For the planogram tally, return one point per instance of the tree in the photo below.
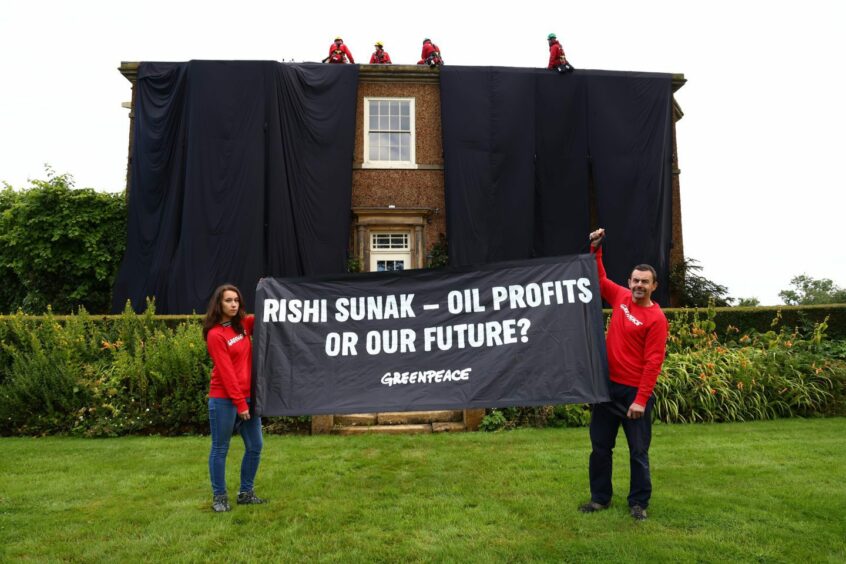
(59, 246)
(748, 302)
(693, 289)
(807, 291)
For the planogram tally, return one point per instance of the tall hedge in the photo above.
(760, 319)
(114, 375)
(59, 246)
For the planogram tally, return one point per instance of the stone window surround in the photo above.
(387, 219)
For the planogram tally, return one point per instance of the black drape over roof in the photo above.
(521, 147)
(240, 169)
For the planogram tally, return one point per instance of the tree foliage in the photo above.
(59, 246)
(693, 289)
(806, 290)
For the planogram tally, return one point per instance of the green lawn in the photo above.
(755, 492)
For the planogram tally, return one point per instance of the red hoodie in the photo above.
(637, 337)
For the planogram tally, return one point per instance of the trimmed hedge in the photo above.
(141, 373)
(745, 319)
(760, 319)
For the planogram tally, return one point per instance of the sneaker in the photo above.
(638, 513)
(593, 507)
(220, 503)
(249, 498)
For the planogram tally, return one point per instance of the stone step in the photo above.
(383, 429)
(356, 419)
(417, 417)
(448, 427)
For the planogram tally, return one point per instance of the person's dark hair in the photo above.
(214, 315)
(646, 268)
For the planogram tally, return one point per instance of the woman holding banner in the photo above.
(228, 331)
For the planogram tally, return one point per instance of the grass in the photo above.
(753, 492)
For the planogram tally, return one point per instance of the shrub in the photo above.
(59, 246)
(143, 373)
(785, 371)
(744, 376)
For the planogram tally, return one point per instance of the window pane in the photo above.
(389, 130)
(389, 265)
(383, 241)
(394, 140)
(373, 153)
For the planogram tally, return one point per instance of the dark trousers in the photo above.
(605, 422)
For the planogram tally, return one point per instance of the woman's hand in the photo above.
(245, 415)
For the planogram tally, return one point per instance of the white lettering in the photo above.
(425, 376)
(271, 308)
(500, 294)
(585, 295)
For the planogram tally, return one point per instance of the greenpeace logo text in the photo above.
(425, 377)
(235, 339)
(631, 317)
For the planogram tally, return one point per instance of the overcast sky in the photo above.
(761, 145)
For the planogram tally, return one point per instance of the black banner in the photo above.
(518, 333)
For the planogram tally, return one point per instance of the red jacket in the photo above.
(339, 55)
(380, 57)
(636, 340)
(556, 55)
(428, 49)
(232, 355)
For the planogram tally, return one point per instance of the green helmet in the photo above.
(551, 36)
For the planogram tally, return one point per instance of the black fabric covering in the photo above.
(239, 170)
(522, 146)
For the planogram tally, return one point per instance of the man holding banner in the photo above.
(636, 342)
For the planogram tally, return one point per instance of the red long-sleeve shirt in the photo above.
(380, 57)
(637, 337)
(428, 49)
(232, 354)
(340, 54)
(556, 55)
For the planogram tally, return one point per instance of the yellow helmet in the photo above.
(338, 38)
(379, 44)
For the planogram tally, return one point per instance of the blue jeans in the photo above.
(605, 422)
(222, 417)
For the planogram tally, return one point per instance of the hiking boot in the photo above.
(638, 513)
(593, 507)
(249, 498)
(220, 503)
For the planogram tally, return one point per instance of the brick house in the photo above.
(398, 198)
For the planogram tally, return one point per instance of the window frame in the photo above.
(409, 164)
